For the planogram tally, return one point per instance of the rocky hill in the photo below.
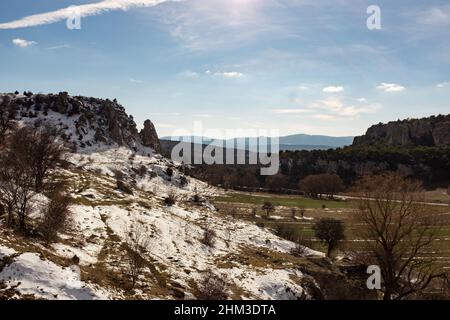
(84, 123)
(432, 131)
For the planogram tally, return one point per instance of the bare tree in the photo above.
(330, 231)
(277, 182)
(38, 149)
(294, 213)
(398, 233)
(7, 115)
(137, 244)
(268, 207)
(16, 183)
(315, 185)
(45, 152)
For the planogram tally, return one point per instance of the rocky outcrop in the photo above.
(432, 131)
(84, 121)
(149, 137)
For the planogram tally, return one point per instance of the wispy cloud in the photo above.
(391, 87)
(133, 80)
(230, 74)
(443, 85)
(23, 43)
(337, 107)
(291, 111)
(189, 74)
(435, 16)
(333, 89)
(58, 47)
(84, 10)
(323, 117)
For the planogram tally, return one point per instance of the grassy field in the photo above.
(281, 200)
(241, 206)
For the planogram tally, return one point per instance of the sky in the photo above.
(296, 66)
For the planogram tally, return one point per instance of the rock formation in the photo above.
(149, 137)
(86, 121)
(432, 131)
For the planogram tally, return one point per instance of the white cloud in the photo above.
(335, 106)
(443, 85)
(391, 87)
(361, 100)
(290, 111)
(135, 80)
(23, 43)
(436, 16)
(84, 10)
(323, 117)
(230, 75)
(333, 89)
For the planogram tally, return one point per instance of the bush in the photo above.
(196, 198)
(212, 287)
(122, 186)
(137, 244)
(301, 246)
(142, 171)
(171, 199)
(268, 207)
(183, 181)
(286, 231)
(209, 237)
(55, 216)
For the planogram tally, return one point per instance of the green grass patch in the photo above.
(287, 201)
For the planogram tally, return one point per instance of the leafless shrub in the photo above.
(142, 171)
(122, 186)
(212, 286)
(169, 172)
(137, 244)
(171, 199)
(302, 245)
(55, 216)
(119, 175)
(209, 236)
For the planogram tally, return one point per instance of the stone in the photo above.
(149, 137)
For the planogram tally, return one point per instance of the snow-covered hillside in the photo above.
(88, 260)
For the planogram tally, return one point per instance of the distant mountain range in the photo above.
(291, 142)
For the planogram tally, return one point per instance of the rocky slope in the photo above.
(88, 260)
(432, 131)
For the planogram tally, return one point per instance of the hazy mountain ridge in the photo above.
(291, 142)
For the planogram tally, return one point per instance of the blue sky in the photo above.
(299, 66)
